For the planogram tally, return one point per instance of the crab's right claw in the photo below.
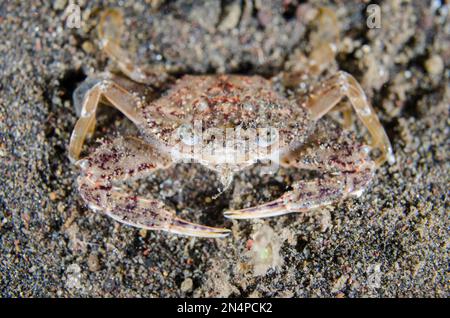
(152, 214)
(270, 209)
(182, 227)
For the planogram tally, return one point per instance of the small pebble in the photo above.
(53, 196)
(186, 285)
(143, 233)
(434, 65)
(61, 207)
(88, 47)
(93, 262)
(59, 4)
(231, 19)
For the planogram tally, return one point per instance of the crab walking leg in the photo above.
(325, 40)
(341, 85)
(347, 169)
(124, 159)
(114, 94)
(110, 30)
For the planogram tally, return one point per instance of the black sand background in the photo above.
(392, 241)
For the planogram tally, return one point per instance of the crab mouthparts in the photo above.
(225, 174)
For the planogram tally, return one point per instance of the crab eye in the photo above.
(187, 135)
(267, 136)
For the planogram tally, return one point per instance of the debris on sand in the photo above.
(264, 252)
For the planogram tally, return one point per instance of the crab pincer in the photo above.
(118, 161)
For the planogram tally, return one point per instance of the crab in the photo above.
(289, 132)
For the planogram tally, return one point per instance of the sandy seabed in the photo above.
(392, 241)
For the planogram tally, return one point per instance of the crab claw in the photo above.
(273, 208)
(310, 194)
(180, 226)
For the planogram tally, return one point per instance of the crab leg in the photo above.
(124, 159)
(326, 38)
(113, 93)
(325, 41)
(347, 166)
(341, 85)
(110, 30)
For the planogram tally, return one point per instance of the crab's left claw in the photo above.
(148, 214)
(126, 158)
